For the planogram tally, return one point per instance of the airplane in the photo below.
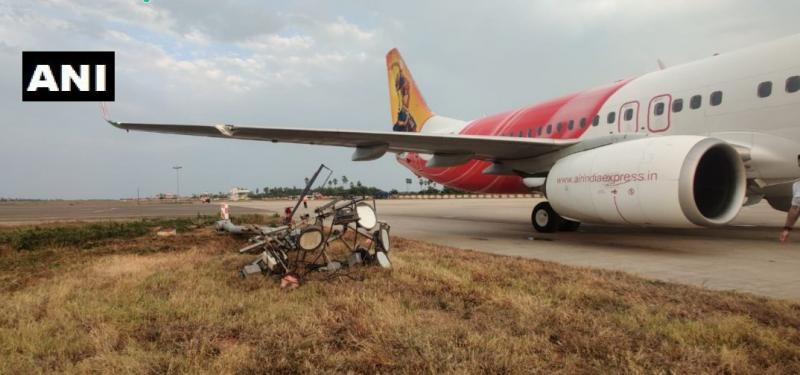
(684, 146)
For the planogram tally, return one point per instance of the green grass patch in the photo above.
(257, 219)
(89, 235)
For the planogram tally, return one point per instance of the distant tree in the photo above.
(344, 180)
(447, 190)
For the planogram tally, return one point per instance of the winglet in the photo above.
(104, 112)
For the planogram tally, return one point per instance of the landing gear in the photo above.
(569, 225)
(546, 220)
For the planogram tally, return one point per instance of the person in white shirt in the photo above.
(794, 212)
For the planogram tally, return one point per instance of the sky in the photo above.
(318, 64)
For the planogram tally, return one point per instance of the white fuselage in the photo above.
(768, 127)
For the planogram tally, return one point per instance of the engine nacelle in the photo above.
(671, 181)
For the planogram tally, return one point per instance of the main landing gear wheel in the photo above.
(569, 225)
(545, 219)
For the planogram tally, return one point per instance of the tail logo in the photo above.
(409, 110)
(402, 90)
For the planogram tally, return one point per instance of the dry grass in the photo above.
(176, 304)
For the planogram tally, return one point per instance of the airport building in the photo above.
(238, 193)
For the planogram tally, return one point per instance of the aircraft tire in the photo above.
(545, 219)
(569, 225)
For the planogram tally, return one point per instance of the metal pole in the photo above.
(177, 169)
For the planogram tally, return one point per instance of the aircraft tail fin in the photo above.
(409, 110)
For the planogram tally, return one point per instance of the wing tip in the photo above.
(106, 118)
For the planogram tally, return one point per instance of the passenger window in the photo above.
(677, 105)
(596, 120)
(530, 133)
(612, 116)
(793, 84)
(571, 124)
(520, 133)
(539, 131)
(628, 114)
(583, 122)
(549, 128)
(558, 127)
(696, 102)
(764, 89)
(716, 98)
(658, 110)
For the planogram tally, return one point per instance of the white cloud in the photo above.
(278, 43)
(343, 29)
(197, 37)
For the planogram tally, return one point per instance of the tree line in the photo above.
(343, 186)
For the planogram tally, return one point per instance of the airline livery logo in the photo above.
(409, 111)
(67, 76)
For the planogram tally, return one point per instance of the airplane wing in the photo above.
(451, 148)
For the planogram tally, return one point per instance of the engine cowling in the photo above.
(671, 181)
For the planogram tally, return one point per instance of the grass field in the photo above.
(119, 299)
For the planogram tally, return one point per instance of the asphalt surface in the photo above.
(745, 256)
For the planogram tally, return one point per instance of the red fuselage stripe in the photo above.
(555, 114)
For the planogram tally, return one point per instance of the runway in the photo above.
(744, 257)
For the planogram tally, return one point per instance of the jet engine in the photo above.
(670, 181)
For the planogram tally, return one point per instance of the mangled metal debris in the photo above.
(292, 251)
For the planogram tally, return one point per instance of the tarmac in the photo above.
(745, 256)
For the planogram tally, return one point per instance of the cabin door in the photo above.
(658, 114)
(628, 121)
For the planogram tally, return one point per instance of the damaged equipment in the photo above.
(292, 251)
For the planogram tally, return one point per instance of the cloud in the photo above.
(348, 31)
(278, 43)
(221, 20)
